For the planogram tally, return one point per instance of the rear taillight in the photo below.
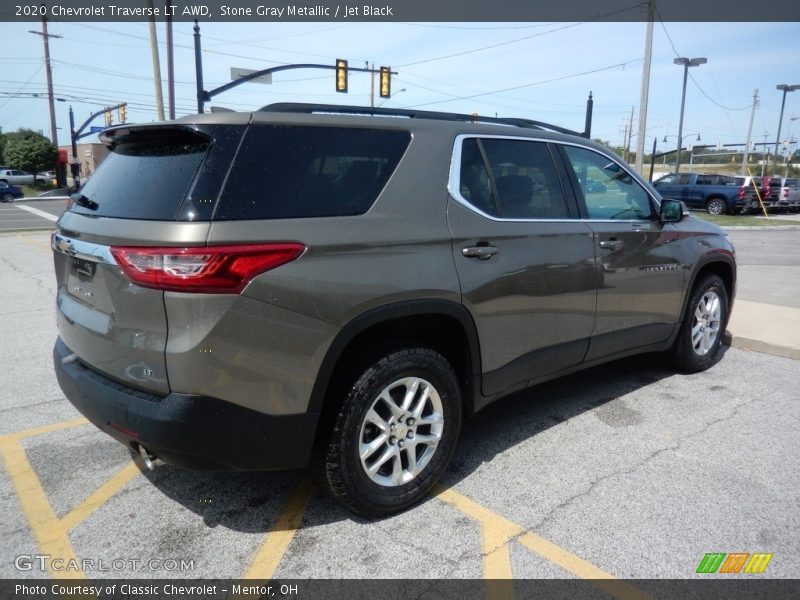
(207, 269)
(785, 193)
(742, 192)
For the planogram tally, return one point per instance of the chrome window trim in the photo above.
(83, 249)
(454, 187)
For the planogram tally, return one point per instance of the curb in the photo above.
(764, 228)
(763, 347)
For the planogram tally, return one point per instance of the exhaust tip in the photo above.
(148, 458)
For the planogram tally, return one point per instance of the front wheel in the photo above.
(717, 206)
(7, 197)
(395, 433)
(703, 325)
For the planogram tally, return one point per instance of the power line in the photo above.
(694, 81)
(24, 85)
(525, 85)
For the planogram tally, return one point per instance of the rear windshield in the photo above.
(146, 175)
(297, 171)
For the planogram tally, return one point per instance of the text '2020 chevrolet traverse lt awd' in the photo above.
(310, 284)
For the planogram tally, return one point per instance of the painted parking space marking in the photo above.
(277, 540)
(38, 213)
(499, 531)
(50, 534)
(99, 497)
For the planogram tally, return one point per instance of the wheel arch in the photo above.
(443, 325)
(721, 264)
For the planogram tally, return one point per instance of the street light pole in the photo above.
(686, 62)
(785, 88)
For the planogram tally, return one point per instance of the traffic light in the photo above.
(123, 113)
(341, 75)
(109, 117)
(386, 82)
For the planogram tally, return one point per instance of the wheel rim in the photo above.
(715, 207)
(401, 431)
(706, 323)
(7, 198)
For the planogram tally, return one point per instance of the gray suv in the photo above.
(342, 285)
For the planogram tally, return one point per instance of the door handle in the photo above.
(480, 252)
(612, 244)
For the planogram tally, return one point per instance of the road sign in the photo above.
(237, 73)
(97, 129)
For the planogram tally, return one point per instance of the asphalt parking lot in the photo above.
(26, 215)
(626, 471)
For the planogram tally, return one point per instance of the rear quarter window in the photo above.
(285, 172)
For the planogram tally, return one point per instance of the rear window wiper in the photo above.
(84, 201)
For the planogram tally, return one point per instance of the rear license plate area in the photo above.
(83, 269)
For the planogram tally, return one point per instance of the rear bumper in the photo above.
(195, 432)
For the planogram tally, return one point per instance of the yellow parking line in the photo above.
(99, 497)
(26, 433)
(504, 529)
(277, 540)
(48, 531)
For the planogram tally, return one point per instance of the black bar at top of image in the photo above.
(709, 588)
(403, 10)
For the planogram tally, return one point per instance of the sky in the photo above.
(541, 71)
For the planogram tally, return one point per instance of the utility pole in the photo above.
(765, 160)
(170, 63)
(749, 134)
(630, 135)
(198, 69)
(625, 142)
(371, 84)
(643, 99)
(151, 21)
(50, 99)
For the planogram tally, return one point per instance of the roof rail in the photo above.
(308, 108)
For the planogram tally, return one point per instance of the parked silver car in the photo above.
(17, 177)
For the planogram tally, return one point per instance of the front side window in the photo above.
(608, 190)
(511, 179)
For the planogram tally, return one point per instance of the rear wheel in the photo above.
(717, 206)
(703, 325)
(7, 197)
(394, 434)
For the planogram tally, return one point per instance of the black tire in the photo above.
(716, 206)
(685, 354)
(339, 464)
(7, 197)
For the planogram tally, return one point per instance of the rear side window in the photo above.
(294, 171)
(146, 175)
(511, 179)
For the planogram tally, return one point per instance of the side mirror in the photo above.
(672, 211)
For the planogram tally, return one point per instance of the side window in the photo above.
(284, 172)
(683, 179)
(667, 179)
(517, 179)
(474, 183)
(705, 180)
(608, 190)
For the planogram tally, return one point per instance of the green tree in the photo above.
(3, 139)
(29, 151)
